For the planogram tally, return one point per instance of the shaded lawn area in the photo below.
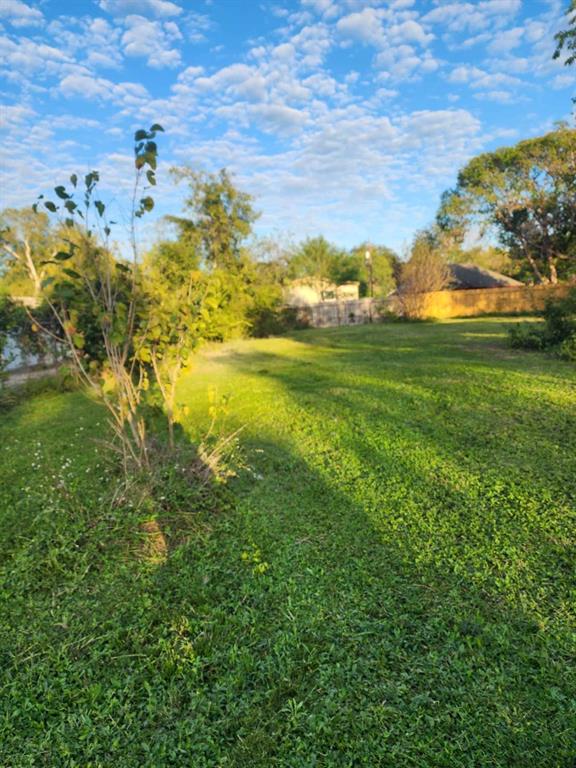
(411, 492)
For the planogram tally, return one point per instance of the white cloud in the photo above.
(27, 57)
(478, 78)
(395, 37)
(14, 114)
(162, 9)
(403, 63)
(94, 38)
(86, 86)
(501, 97)
(326, 8)
(152, 40)
(462, 16)
(506, 40)
(278, 117)
(20, 14)
(408, 32)
(365, 26)
(567, 80)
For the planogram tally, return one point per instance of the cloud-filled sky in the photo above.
(342, 117)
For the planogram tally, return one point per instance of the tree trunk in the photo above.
(552, 270)
(32, 270)
(539, 276)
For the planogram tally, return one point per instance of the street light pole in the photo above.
(368, 262)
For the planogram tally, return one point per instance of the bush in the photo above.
(567, 350)
(274, 321)
(526, 336)
(557, 334)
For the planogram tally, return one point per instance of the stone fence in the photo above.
(332, 313)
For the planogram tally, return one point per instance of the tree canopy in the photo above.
(526, 195)
(221, 217)
(321, 260)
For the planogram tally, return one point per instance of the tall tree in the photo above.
(318, 259)
(220, 220)
(525, 194)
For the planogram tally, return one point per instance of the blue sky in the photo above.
(342, 117)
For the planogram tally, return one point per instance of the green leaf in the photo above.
(157, 127)
(150, 158)
(35, 207)
(151, 147)
(140, 162)
(69, 222)
(107, 231)
(71, 273)
(74, 179)
(61, 192)
(91, 178)
(62, 256)
(66, 290)
(151, 177)
(70, 206)
(140, 135)
(50, 206)
(78, 340)
(147, 203)
(122, 267)
(47, 281)
(145, 355)
(100, 207)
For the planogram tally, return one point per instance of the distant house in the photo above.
(469, 276)
(306, 292)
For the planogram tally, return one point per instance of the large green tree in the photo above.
(380, 271)
(318, 259)
(526, 195)
(219, 220)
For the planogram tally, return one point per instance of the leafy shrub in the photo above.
(526, 336)
(560, 317)
(558, 332)
(273, 321)
(567, 350)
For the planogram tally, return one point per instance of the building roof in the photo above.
(471, 276)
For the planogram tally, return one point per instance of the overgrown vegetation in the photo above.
(394, 587)
(557, 334)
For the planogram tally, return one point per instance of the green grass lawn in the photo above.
(393, 583)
